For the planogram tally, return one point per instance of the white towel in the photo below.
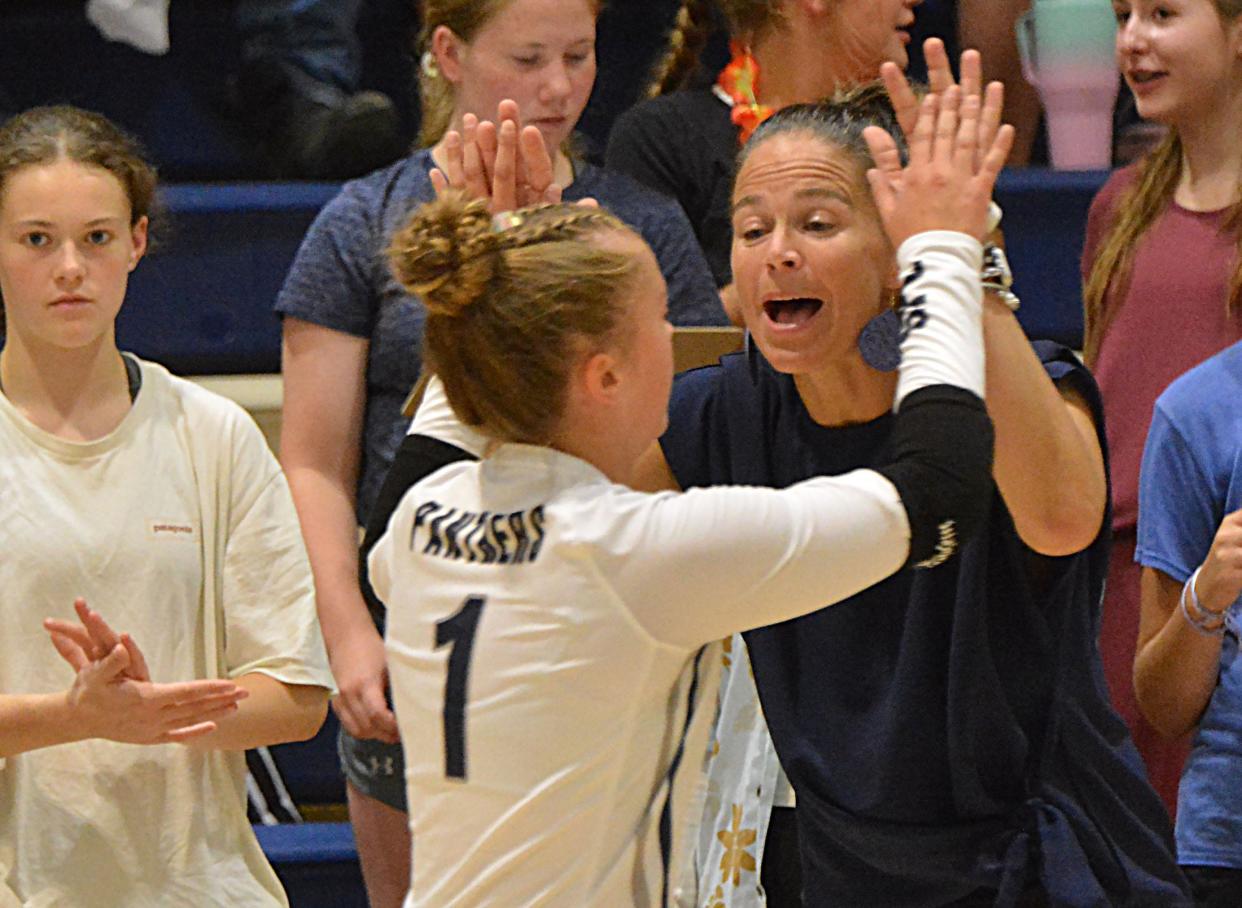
(140, 23)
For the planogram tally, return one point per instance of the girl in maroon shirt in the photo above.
(1163, 280)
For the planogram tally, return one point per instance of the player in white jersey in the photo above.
(545, 621)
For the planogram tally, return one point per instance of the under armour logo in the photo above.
(382, 766)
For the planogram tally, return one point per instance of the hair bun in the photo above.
(443, 255)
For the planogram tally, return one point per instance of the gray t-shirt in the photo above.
(340, 280)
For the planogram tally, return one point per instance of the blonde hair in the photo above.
(464, 18)
(509, 310)
(685, 42)
(749, 20)
(1138, 208)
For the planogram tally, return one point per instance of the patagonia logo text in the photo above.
(172, 529)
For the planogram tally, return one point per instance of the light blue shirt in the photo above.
(1191, 479)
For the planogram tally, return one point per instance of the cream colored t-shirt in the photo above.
(210, 582)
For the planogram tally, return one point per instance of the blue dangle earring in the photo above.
(879, 342)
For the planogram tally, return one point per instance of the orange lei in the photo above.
(740, 82)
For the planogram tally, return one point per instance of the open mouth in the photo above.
(1145, 78)
(792, 313)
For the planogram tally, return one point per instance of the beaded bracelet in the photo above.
(1213, 626)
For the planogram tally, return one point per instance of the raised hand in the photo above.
(940, 80)
(941, 188)
(507, 165)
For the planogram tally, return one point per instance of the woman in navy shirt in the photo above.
(947, 733)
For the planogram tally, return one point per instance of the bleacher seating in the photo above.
(179, 104)
(316, 862)
(202, 302)
(1045, 223)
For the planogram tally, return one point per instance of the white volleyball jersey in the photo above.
(542, 623)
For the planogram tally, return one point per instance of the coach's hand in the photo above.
(940, 188)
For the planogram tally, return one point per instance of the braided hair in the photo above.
(510, 303)
(685, 43)
(748, 20)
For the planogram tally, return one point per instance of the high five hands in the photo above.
(940, 80)
(508, 165)
(957, 148)
(114, 697)
(511, 166)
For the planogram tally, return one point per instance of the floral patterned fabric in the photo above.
(743, 775)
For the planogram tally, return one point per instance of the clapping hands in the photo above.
(113, 694)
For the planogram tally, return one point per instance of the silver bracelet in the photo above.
(994, 216)
(997, 277)
(1198, 620)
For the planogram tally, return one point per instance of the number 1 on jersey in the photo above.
(457, 633)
